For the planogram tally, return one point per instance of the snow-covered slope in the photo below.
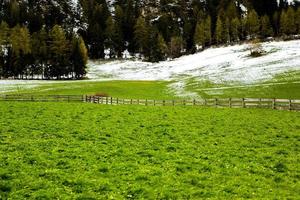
(225, 64)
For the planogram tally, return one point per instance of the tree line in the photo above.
(157, 30)
(153, 30)
(43, 54)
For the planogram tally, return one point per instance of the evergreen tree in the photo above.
(202, 35)
(119, 36)
(219, 31)
(287, 22)
(157, 46)
(266, 27)
(188, 35)
(13, 13)
(253, 24)
(21, 48)
(39, 52)
(207, 29)
(79, 57)
(162, 47)
(4, 40)
(110, 41)
(141, 34)
(176, 46)
(222, 30)
(199, 37)
(276, 23)
(297, 20)
(59, 54)
(234, 29)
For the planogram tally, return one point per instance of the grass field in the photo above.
(87, 151)
(285, 86)
(121, 89)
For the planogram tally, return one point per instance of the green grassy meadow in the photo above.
(88, 151)
(122, 89)
(284, 86)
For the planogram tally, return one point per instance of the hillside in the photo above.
(215, 72)
(225, 66)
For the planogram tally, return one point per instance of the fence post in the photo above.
(205, 103)
(117, 101)
(111, 100)
(164, 102)
(154, 102)
(216, 103)
(31, 98)
(194, 102)
(68, 98)
(260, 103)
(230, 104)
(184, 103)
(173, 102)
(243, 103)
(273, 104)
(146, 102)
(290, 104)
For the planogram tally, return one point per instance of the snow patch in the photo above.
(219, 65)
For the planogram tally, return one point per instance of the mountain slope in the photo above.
(225, 64)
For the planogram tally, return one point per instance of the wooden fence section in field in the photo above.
(43, 98)
(276, 104)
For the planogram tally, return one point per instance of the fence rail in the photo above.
(43, 98)
(276, 104)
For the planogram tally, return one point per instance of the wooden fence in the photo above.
(43, 98)
(277, 104)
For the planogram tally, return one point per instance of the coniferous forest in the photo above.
(53, 39)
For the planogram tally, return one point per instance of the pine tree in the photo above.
(4, 40)
(226, 29)
(287, 22)
(119, 36)
(157, 48)
(202, 35)
(276, 23)
(162, 47)
(141, 34)
(253, 24)
(39, 52)
(199, 37)
(79, 57)
(297, 20)
(188, 34)
(266, 27)
(219, 31)
(59, 54)
(176, 46)
(222, 30)
(21, 48)
(109, 36)
(14, 13)
(234, 29)
(207, 30)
